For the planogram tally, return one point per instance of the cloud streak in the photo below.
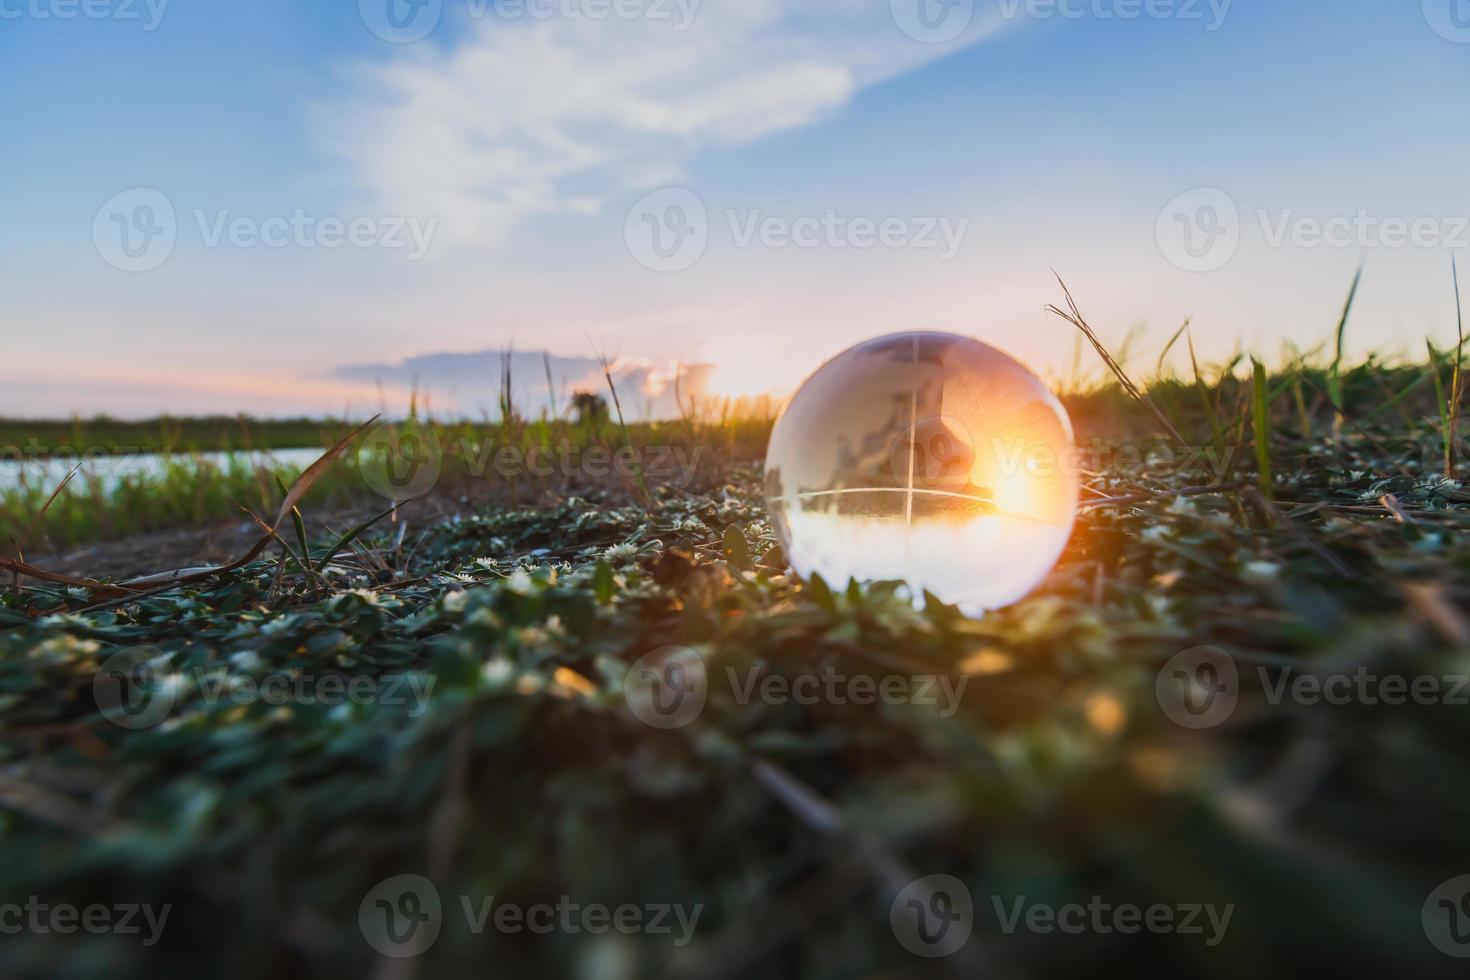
(542, 116)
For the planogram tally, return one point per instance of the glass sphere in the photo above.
(928, 458)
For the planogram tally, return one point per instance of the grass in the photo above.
(1299, 519)
(185, 491)
(190, 490)
(35, 438)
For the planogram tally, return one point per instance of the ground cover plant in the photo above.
(1305, 522)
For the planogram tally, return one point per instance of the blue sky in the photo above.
(527, 152)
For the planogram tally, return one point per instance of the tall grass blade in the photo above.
(1457, 380)
(1261, 416)
(1442, 405)
(187, 576)
(1304, 417)
(622, 423)
(1207, 404)
(1074, 316)
(351, 536)
(550, 383)
(1334, 376)
(1159, 367)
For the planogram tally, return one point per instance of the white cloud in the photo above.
(468, 384)
(531, 116)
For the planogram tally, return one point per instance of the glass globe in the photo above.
(929, 458)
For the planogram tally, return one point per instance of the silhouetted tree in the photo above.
(591, 409)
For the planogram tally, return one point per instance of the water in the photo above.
(111, 470)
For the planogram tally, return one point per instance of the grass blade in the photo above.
(1442, 405)
(1457, 379)
(351, 536)
(1334, 377)
(1074, 316)
(1159, 367)
(622, 424)
(1260, 413)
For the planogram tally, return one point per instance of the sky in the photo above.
(259, 207)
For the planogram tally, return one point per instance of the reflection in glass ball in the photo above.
(925, 457)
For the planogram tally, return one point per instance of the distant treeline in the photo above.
(31, 438)
(1367, 392)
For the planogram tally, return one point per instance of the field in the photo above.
(213, 470)
(1306, 523)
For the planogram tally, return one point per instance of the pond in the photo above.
(110, 470)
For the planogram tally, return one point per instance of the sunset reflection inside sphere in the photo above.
(925, 457)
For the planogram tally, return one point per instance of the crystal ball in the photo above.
(928, 458)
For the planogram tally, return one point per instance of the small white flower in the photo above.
(485, 617)
(276, 627)
(63, 649)
(1157, 532)
(621, 552)
(172, 685)
(62, 621)
(247, 661)
(498, 672)
(520, 582)
(1260, 572)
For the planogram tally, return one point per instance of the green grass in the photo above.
(101, 435)
(187, 492)
(191, 491)
(1305, 527)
